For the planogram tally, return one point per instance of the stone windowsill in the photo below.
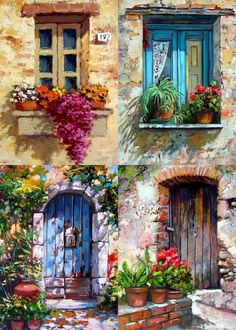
(37, 123)
(182, 126)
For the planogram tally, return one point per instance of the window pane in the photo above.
(70, 63)
(45, 63)
(69, 38)
(46, 82)
(70, 83)
(45, 38)
(161, 59)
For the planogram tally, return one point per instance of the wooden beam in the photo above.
(139, 10)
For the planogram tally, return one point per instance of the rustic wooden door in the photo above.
(67, 236)
(194, 231)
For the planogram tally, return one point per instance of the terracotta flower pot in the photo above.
(17, 324)
(27, 106)
(137, 297)
(27, 288)
(174, 294)
(159, 296)
(97, 104)
(204, 117)
(34, 324)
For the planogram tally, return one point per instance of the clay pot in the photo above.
(204, 117)
(159, 296)
(174, 294)
(27, 288)
(97, 104)
(34, 324)
(27, 106)
(17, 324)
(137, 297)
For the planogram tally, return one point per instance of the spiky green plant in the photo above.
(133, 278)
(161, 96)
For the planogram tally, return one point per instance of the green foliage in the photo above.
(19, 195)
(128, 175)
(183, 115)
(157, 280)
(15, 307)
(109, 300)
(180, 278)
(16, 261)
(159, 97)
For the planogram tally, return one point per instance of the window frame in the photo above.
(57, 51)
(179, 34)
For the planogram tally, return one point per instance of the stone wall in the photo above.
(179, 146)
(17, 65)
(156, 316)
(144, 214)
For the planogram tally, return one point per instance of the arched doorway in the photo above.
(67, 246)
(193, 230)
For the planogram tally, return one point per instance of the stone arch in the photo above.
(100, 230)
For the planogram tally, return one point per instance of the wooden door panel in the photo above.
(193, 214)
(67, 263)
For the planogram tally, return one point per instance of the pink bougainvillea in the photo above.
(72, 116)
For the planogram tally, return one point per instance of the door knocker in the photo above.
(71, 234)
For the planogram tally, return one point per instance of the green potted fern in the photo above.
(134, 280)
(159, 100)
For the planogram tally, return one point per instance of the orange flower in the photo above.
(43, 89)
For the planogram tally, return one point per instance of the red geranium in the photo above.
(200, 89)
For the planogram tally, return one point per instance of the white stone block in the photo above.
(38, 222)
(100, 259)
(100, 227)
(98, 285)
(38, 252)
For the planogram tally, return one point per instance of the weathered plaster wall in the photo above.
(17, 65)
(143, 214)
(174, 146)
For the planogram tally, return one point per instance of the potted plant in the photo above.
(158, 283)
(36, 312)
(204, 102)
(159, 100)
(12, 309)
(96, 94)
(24, 97)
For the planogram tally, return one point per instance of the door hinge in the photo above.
(169, 229)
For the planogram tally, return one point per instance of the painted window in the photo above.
(183, 52)
(58, 55)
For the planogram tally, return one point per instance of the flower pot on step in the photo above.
(27, 106)
(27, 289)
(42, 104)
(34, 324)
(204, 117)
(97, 104)
(17, 324)
(159, 296)
(137, 297)
(174, 294)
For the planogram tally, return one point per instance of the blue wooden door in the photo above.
(67, 267)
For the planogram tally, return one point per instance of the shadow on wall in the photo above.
(41, 148)
(172, 146)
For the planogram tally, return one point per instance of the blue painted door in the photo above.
(66, 267)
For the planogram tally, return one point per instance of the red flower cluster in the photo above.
(168, 258)
(46, 94)
(145, 37)
(209, 91)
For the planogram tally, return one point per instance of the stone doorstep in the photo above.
(125, 309)
(37, 123)
(71, 304)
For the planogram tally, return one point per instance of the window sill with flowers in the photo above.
(161, 109)
(70, 116)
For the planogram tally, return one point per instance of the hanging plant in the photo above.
(145, 37)
(72, 117)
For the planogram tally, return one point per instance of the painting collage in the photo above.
(117, 164)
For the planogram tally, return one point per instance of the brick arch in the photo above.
(175, 175)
